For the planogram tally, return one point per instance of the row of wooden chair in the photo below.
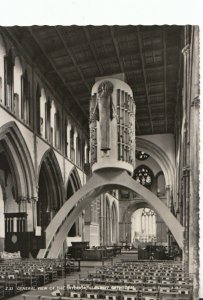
(129, 281)
(16, 275)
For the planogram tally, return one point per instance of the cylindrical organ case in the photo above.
(112, 125)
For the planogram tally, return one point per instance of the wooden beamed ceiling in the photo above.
(70, 57)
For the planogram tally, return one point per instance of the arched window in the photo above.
(8, 79)
(17, 87)
(42, 113)
(2, 56)
(161, 184)
(66, 136)
(47, 119)
(72, 146)
(143, 226)
(25, 104)
(148, 225)
(143, 175)
(52, 124)
(38, 95)
(141, 155)
(58, 130)
(78, 151)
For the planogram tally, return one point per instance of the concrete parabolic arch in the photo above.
(100, 182)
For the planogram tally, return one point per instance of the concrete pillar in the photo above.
(106, 180)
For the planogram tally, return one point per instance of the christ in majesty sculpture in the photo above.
(103, 112)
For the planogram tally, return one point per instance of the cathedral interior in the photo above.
(99, 160)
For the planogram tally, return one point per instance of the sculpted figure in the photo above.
(102, 111)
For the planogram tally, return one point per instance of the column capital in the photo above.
(186, 170)
(33, 199)
(22, 199)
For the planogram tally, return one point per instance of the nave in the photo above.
(99, 144)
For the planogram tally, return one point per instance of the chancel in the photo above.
(99, 162)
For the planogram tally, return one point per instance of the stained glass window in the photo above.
(143, 175)
(141, 155)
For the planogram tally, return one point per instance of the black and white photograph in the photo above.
(99, 162)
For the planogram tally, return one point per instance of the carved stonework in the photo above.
(105, 89)
(93, 144)
(132, 135)
(93, 109)
(93, 131)
(105, 107)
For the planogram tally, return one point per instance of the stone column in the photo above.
(142, 223)
(194, 163)
(168, 196)
(122, 231)
(147, 225)
(75, 145)
(186, 70)
(101, 225)
(104, 222)
(169, 204)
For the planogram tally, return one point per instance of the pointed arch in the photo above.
(160, 184)
(160, 157)
(73, 183)
(51, 165)
(132, 207)
(20, 161)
